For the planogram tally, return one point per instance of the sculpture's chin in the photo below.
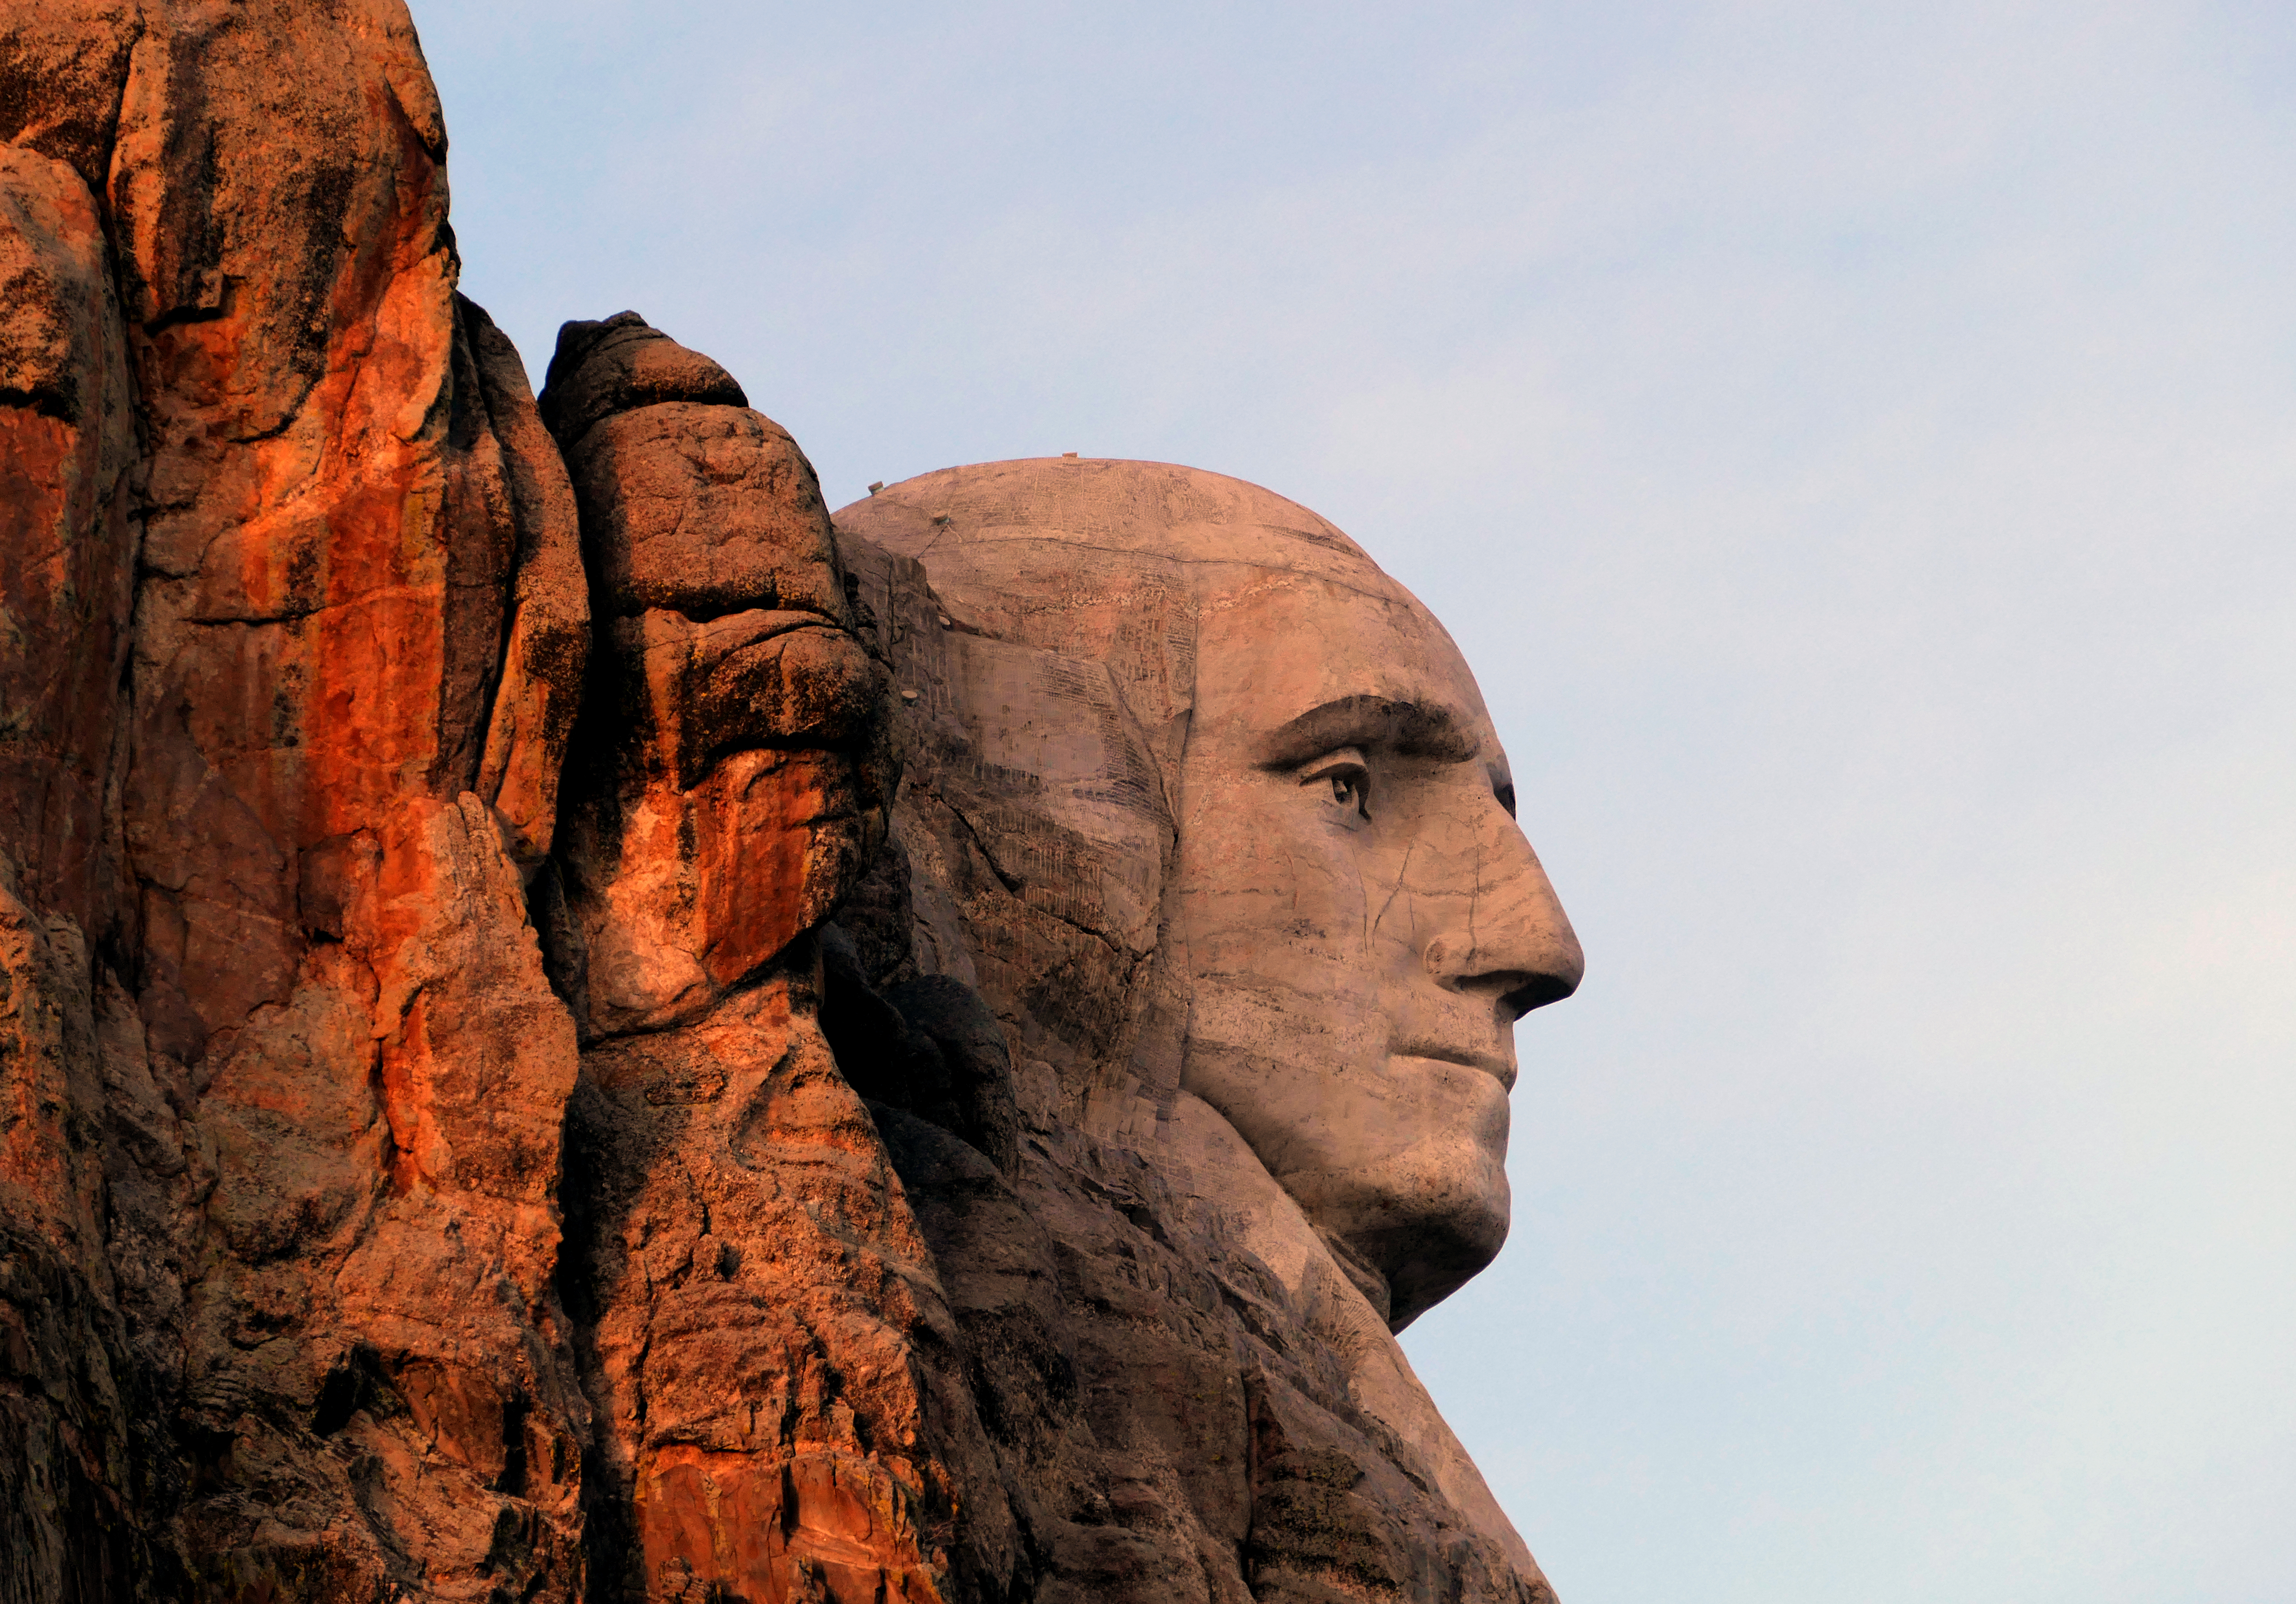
(1428, 1221)
(1429, 1253)
(1409, 1177)
(1443, 1257)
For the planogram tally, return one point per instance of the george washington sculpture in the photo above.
(573, 1028)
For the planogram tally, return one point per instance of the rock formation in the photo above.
(296, 637)
(571, 1029)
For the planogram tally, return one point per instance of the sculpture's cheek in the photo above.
(1288, 1076)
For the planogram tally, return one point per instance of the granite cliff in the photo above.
(559, 1037)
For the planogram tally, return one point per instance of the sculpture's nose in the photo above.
(1509, 938)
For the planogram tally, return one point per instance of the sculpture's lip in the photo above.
(1498, 1066)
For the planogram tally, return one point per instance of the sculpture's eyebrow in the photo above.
(1414, 729)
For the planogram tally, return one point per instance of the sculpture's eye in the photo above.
(1344, 781)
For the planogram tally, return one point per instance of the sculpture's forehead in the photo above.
(1285, 611)
(1277, 645)
(1156, 513)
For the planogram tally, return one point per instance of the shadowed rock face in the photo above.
(570, 1031)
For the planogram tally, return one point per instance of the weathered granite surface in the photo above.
(1209, 811)
(570, 1029)
(296, 635)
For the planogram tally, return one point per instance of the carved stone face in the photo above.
(1362, 921)
(1365, 921)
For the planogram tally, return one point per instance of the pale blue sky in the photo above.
(1856, 450)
